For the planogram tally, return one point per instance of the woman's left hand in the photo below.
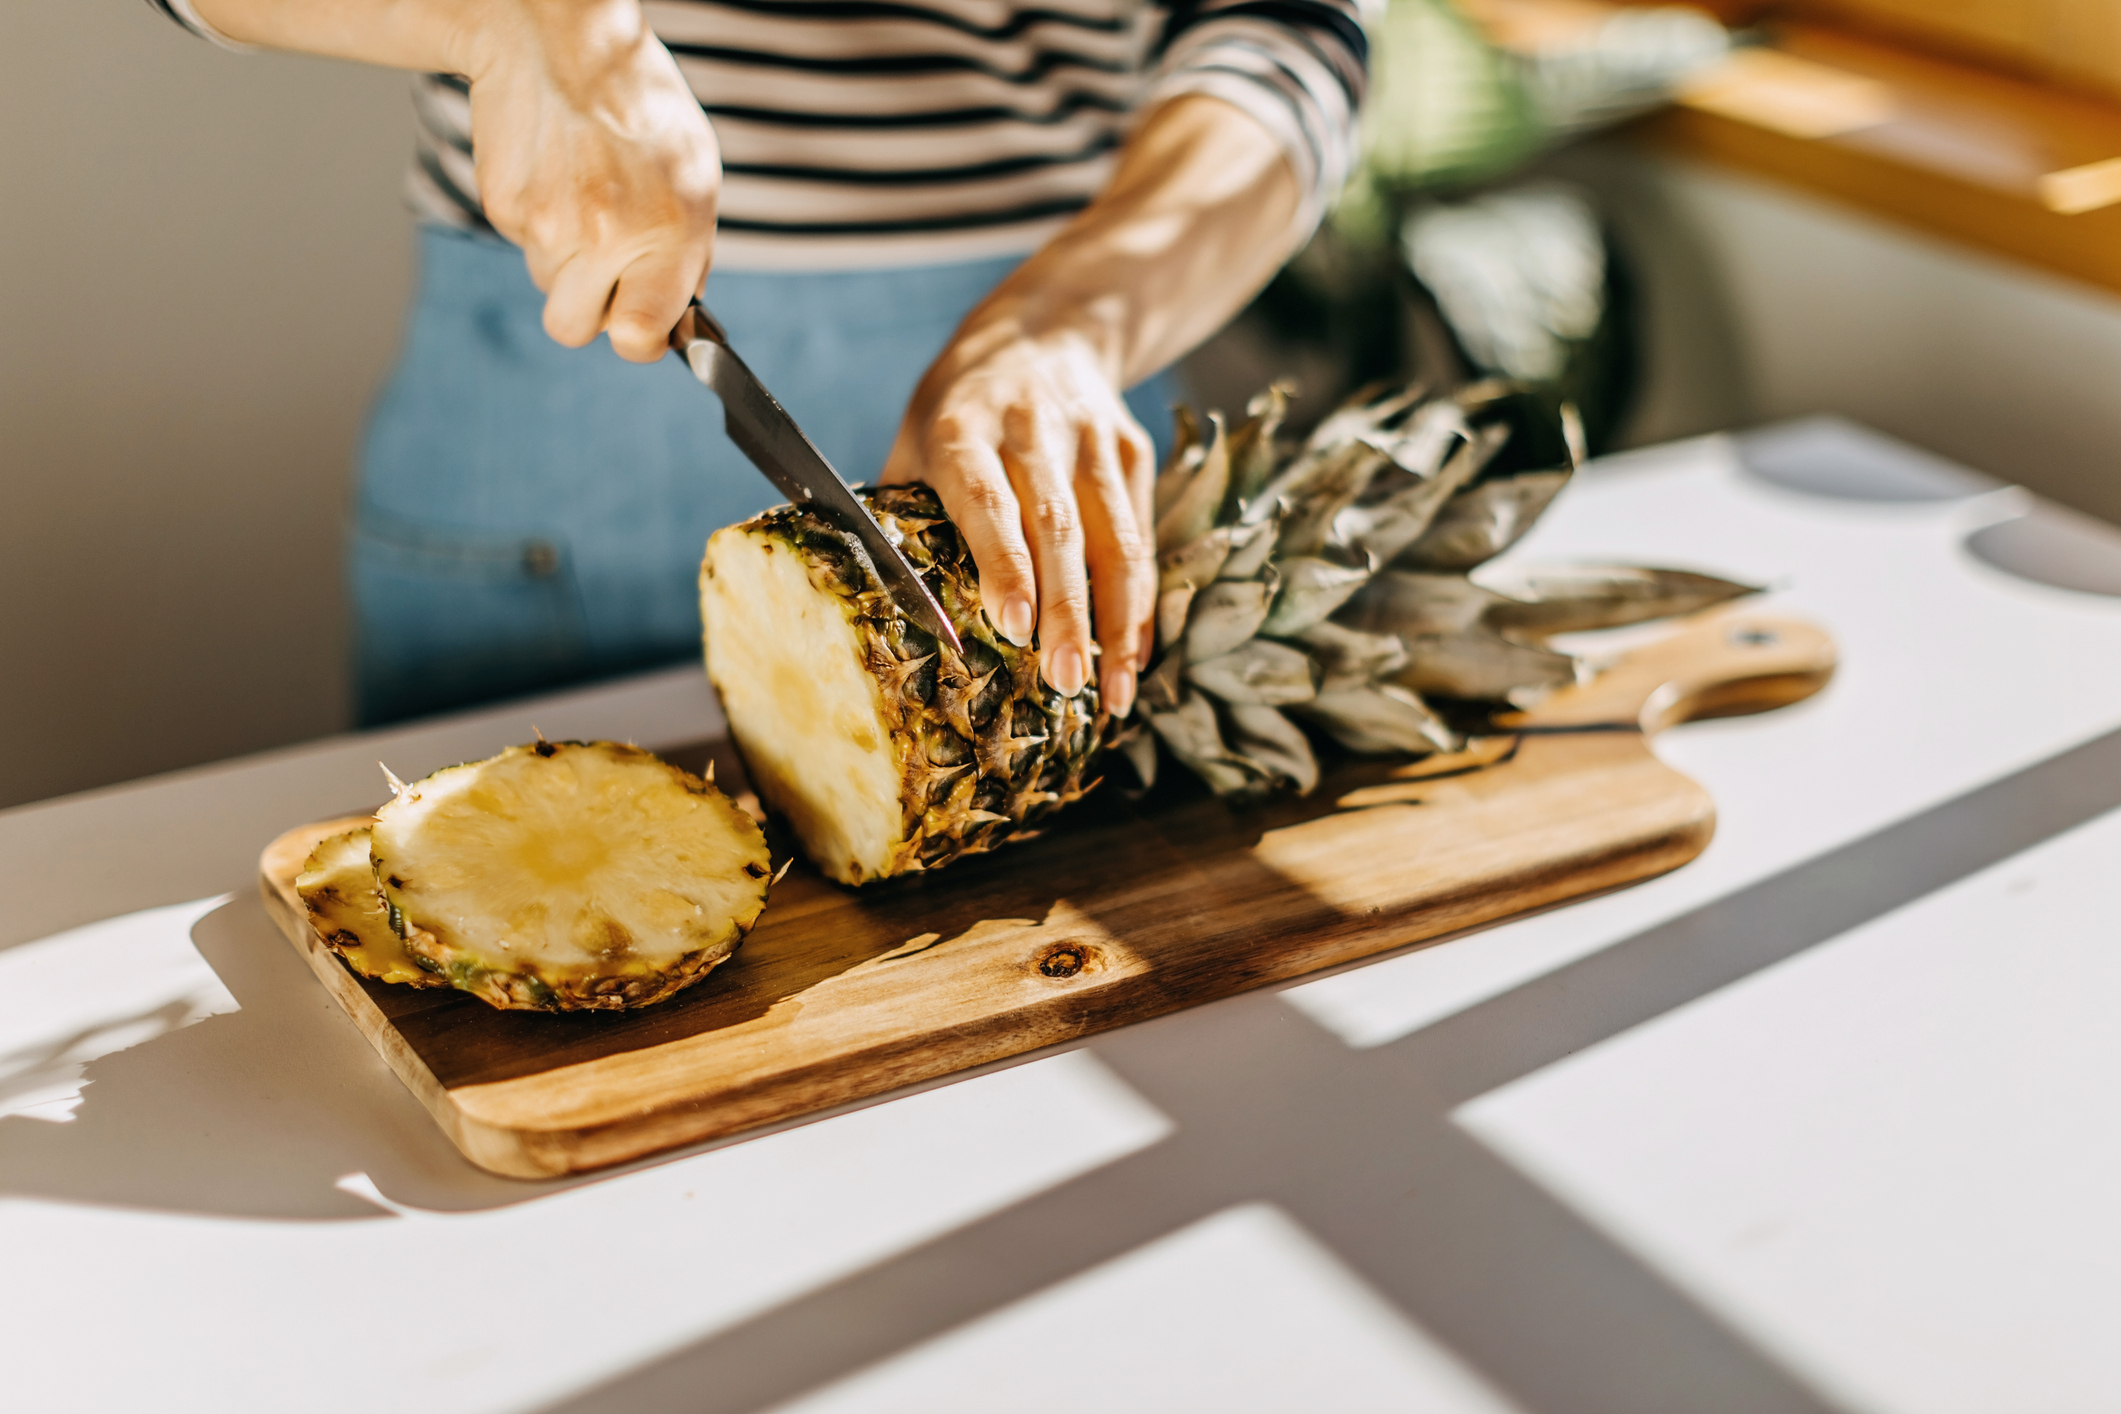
(1048, 477)
(1019, 425)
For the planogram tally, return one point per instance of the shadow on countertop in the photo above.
(282, 1110)
(257, 1113)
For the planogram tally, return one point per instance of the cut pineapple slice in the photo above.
(885, 752)
(792, 664)
(568, 876)
(338, 885)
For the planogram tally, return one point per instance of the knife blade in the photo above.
(764, 432)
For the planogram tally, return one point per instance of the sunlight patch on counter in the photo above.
(80, 995)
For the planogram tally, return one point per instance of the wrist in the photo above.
(1031, 308)
(577, 42)
(1198, 217)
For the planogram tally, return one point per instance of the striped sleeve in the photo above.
(1298, 66)
(186, 13)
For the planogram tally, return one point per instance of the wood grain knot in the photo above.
(1064, 960)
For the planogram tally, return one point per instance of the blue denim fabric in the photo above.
(531, 516)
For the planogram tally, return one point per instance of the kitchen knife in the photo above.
(764, 432)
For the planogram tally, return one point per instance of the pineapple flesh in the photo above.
(338, 886)
(569, 876)
(886, 752)
(1324, 588)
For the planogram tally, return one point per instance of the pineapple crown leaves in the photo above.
(1331, 580)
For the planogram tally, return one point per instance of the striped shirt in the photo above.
(864, 133)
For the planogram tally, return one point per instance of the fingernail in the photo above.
(1066, 671)
(1119, 693)
(1018, 619)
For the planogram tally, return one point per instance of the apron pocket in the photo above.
(444, 619)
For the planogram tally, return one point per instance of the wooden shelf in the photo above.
(2001, 163)
(2075, 41)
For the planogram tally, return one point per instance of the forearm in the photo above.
(439, 36)
(1202, 211)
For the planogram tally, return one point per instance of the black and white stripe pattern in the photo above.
(876, 132)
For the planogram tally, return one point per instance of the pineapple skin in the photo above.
(1320, 586)
(338, 886)
(981, 749)
(517, 983)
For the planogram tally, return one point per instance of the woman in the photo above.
(867, 178)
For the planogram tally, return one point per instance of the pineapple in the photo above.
(1331, 586)
(1324, 586)
(338, 885)
(568, 876)
(886, 752)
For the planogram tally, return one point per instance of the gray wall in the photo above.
(203, 262)
(206, 264)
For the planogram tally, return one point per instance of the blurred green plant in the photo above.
(1439, 262)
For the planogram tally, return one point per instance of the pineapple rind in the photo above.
(569, 876)
(979, 748)
(338, 886)
(1324, 583)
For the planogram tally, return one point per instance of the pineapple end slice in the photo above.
(789, 662)
(570, 876)
(338, 886)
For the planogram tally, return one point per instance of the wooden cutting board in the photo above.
(1122, 912)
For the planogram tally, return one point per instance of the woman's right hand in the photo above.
(594, 156)
(591, 152)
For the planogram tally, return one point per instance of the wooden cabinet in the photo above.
(1992, 122)
(2074, 40)
(2077, 42)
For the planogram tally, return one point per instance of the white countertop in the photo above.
(1825, 1120)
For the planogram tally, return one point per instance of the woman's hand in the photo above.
(591, 152)
(595, 158)
(1048, 476)
(1019, 425)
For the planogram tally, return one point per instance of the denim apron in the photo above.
(530, 516)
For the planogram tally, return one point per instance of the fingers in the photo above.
(576, 299)
(1137, 457)
(1041, 457)
(968, 474)
(651, 294)
(904, 462)
(1050, 481)
(637, 303)
(1137, 462)
(1122, 567)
